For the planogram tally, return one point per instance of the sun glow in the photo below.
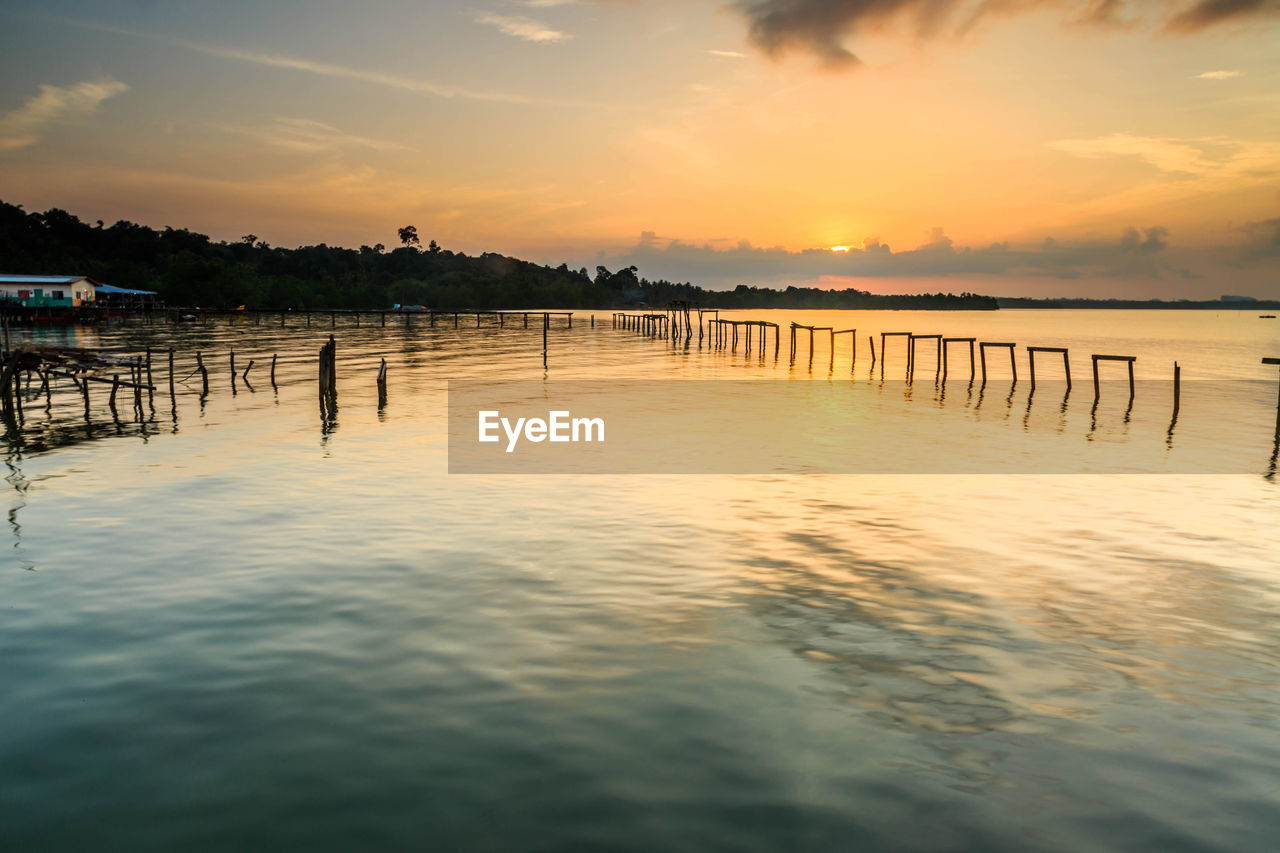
(841, 248)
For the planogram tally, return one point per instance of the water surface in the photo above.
(235, 625)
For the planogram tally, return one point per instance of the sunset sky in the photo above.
(1118, 147)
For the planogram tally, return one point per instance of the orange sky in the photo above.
(563, 131)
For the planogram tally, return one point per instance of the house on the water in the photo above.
(110, 296)
(48, 291)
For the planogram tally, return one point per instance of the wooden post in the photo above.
(115, 385)
(137, 384)
(245, 375)
(1125, 358)
(273, 370)
(1177, 388)
(1275, 361)
(171, 389)
(149, 381)
(382, 384)
(204, 374)
(333, 365)
(546, 321)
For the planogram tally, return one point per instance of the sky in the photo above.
(1012, 147)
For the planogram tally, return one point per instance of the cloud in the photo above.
(1219, 75)
(727, 54)
(821, 27)
(326, 69)
(1208, 162)
(1206, 13)
(1167, 155)
(308, 136)
(522, 28)
(25, 125)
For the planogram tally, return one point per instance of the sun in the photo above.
(841, 248)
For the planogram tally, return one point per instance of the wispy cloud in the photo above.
(1167, 155)
(727, 54)
(1219, 75)
(309, 136)
(1208, 160)
(522, 28)
(324, 69)
(25, 125)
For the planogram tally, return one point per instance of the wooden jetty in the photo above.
(1066, 362)
(1127, 359)
(982, 355)
(884, 340)
(946, 342)
(911, 354)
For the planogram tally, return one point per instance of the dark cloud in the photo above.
(1137, 253)
(1207, 13)
(823, 27)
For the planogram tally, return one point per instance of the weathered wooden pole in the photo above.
(115, 385)
(204, 374)
(333, 365)
(546, 321)
(382, 384)
(149, 381)
(245, 375)
(137, 384)
(273, 370)
(1177, 388)
(1275, 361)
(1128, 359)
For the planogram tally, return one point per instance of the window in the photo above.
(56, 294)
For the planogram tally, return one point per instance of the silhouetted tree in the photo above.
(409, 236)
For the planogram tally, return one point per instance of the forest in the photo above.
(189, 269)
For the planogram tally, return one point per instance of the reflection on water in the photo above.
(247, 623)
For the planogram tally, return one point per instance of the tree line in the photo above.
(187, 268)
